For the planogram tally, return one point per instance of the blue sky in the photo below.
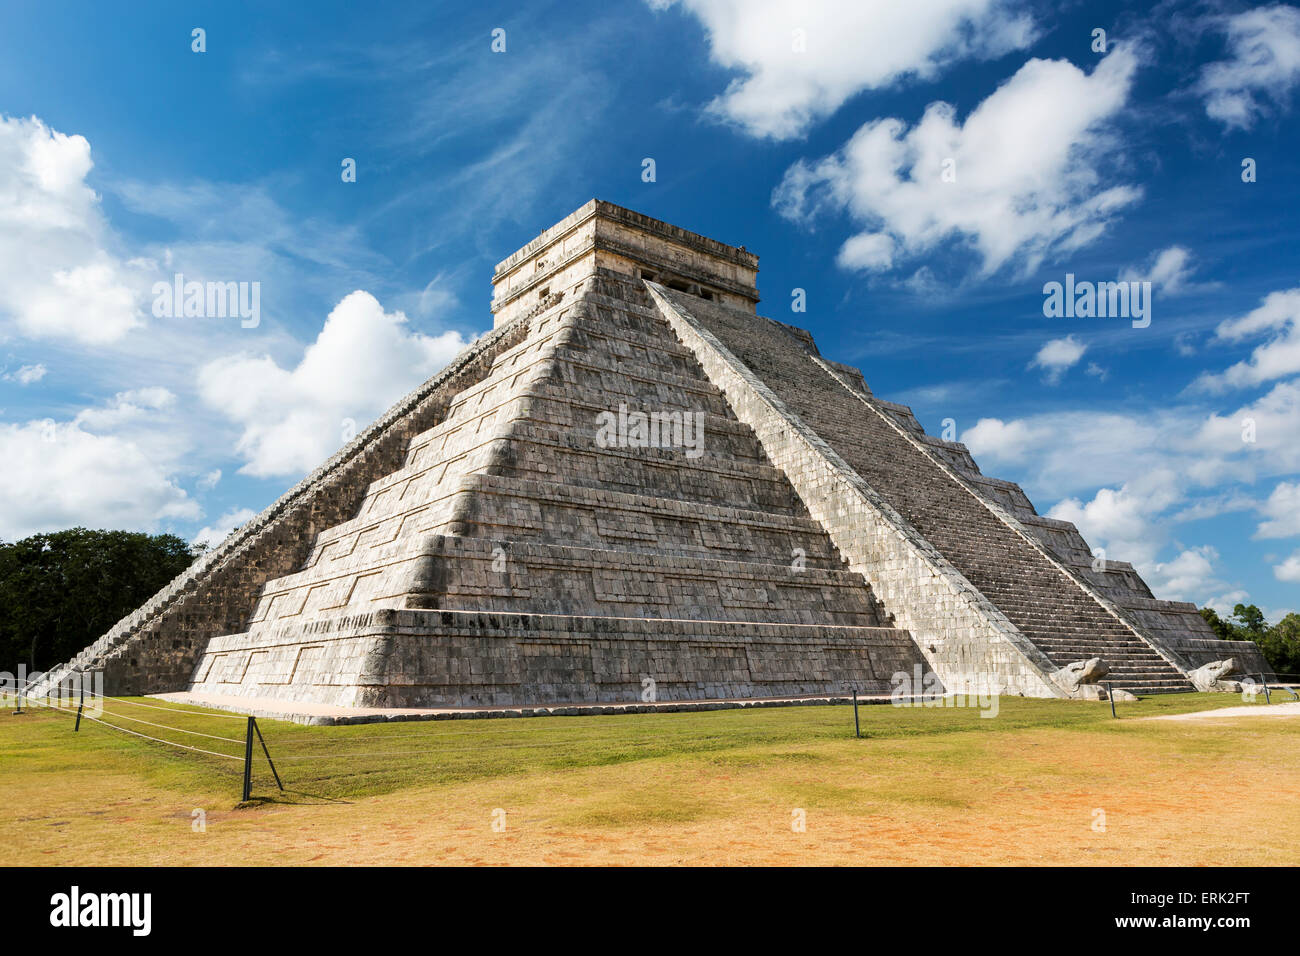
(817, 134)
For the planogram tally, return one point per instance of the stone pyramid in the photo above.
(635, 482)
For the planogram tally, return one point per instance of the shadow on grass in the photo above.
(287, 799)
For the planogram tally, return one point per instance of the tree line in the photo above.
(61, 591)
(1280, 642)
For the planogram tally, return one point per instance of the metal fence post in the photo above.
(248, 761)
(1110, 695)
(80, 707)
(1263, 680)
(857, 728)
(262, 741)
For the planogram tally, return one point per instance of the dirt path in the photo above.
(1288, 709)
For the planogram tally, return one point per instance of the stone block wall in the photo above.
(444, 658)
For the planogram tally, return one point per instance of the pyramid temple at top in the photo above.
(635, 478)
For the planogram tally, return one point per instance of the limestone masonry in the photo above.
(635, 487)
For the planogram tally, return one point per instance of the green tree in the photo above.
(60, 591)
(1279, 643)
(1251, 619)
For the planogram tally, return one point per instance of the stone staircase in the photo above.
(1044, 603)
(1176, 627)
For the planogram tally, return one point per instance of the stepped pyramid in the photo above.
(635, 481)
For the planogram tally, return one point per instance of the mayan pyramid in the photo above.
(635, 480)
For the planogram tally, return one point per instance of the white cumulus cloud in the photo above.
(1281, 511)
(1018, 179)
(59, 277)
(1121, 519)
(291, 420)
(1192, 576)
(801, 59)
(1288, 570)
(59, 474)
(1057, 357)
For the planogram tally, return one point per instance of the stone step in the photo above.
(508, 364)
(563, 579)
(1100, 643)
(444, 453)
(518, 509)
(568, 579)
(581, 410)
(591, 369)
(543, 452)
(550, 390)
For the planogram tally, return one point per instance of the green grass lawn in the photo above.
(365, 759)
(681, 782)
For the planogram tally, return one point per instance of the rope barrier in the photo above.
(169, 743)
(591, 739)
(178, 709)
(135, 733)
(174, 708)
(344, 754)
(340, 755)
(179, 730)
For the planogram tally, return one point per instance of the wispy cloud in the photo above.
(26, 374)
(1263, 66)
(1278, 318)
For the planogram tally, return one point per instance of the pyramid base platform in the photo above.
(393, 658)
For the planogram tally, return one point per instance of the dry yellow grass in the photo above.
(1172, 793)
